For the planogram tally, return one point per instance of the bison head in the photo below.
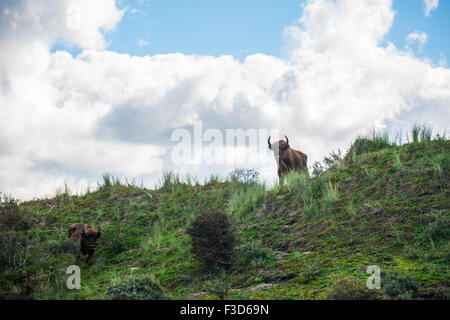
(90, 237)
(278, 148)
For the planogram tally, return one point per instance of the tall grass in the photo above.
(421, 134)
(397, 161)
(296, 181)
(175, 182)
(375, 141)
(313, 196)
(329, 196)
(246, 199)
(157, 233)
(110, 181)
(170, 181)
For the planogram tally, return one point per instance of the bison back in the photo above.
(75, 230)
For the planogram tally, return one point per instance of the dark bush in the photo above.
(399, 286)
(145, 288)
(213, 239)
(349, 289)
(11, 218)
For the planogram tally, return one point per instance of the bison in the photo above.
(287, 158)
(88, 237)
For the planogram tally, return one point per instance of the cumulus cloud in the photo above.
(73, 118)
(430, 5)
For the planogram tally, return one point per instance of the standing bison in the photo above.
(88, 237)
(287, 158)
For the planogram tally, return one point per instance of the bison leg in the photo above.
(82, 252)
(89, 257)
(78, 257)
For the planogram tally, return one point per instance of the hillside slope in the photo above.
(388, 208)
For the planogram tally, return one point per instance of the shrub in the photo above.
(399, 286)
(213, 239)
(65, 246)
(15, 251)
(253, 253)
(11, 218)
(439, 226)
(218, 286)
(20, 259)
(115, 241)
(366, 144)
(412, 252)
(246, 176)
(349, 289)
(317, 168)
(311, 271)
(144, 288)
(334, 159)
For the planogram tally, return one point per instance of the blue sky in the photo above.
(241, 28)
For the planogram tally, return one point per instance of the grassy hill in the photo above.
(308, 238)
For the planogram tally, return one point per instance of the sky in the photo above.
(88, 87)
(240, 28)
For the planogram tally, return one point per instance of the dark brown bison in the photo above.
(287, 158)
(88, 237)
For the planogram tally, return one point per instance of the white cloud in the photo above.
(65, 118)
(79, 22)
(417, 37)
(142, 43)
(430, 5)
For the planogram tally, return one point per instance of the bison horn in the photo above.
(286, 145)
(270, 145)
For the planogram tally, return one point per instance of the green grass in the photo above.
(381, 204)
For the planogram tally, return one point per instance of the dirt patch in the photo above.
(261, 286)
(281, 254)
(369, 209)
(198, 294)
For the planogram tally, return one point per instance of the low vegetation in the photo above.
(382, 203)
(213, 240)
